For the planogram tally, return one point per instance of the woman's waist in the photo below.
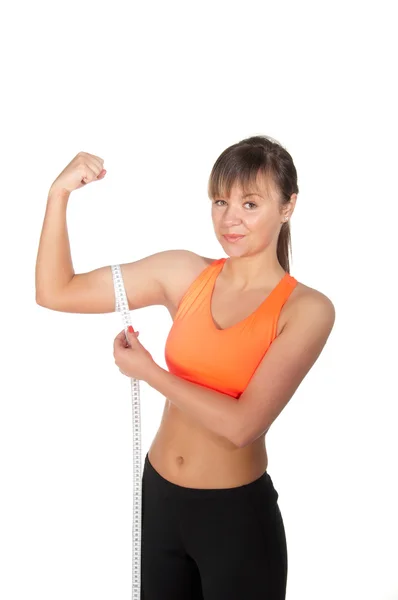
(188, 454)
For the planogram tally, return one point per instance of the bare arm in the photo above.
(54, 268)
(59, 288)
(214, 410)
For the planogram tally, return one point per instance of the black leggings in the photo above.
(211, 544)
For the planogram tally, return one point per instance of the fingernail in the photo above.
(131, 330)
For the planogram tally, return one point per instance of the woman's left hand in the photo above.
(133, 360)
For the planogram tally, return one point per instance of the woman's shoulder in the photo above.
(305, 301)
(305, 294)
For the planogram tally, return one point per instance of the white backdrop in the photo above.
(159, 90)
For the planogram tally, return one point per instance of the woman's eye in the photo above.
(252, 203)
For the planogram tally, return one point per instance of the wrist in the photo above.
(58, 193)
(153, 374)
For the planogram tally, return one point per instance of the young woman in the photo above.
(244, 335)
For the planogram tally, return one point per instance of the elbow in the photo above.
(242, 442)
(244, 432)
(247, 437)
(234, 437)
(241, 437)
(43, 302)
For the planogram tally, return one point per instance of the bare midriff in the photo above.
(186, 454)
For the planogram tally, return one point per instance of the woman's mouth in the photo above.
(233, 238)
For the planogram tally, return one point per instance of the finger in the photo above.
(119, 342)
(120, 339)
(132, 336)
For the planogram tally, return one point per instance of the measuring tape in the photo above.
(123, 307)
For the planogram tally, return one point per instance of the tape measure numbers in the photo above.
(122, 306)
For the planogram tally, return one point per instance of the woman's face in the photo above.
(256, 217)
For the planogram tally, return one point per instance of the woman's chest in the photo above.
(228, 309)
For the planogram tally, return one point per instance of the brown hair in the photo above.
(242, 162)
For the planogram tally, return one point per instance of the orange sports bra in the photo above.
(221, 359)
